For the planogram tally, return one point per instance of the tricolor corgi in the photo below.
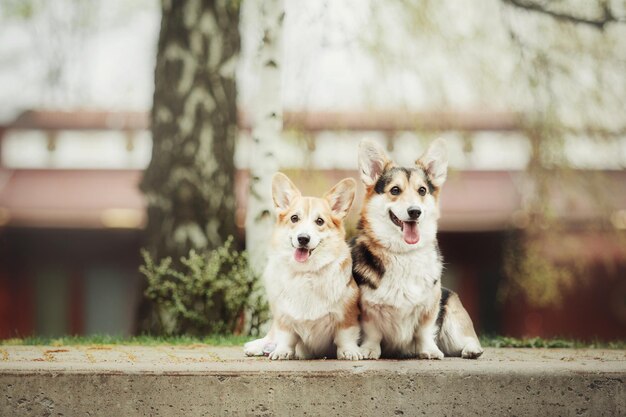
(312, 295)
(396, 262)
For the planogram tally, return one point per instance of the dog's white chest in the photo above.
(410, 281)
(307, 296)
(408, 288)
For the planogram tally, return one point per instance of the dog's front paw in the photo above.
(430, 353)
(370, 351)
(472, 350)
(349, 354)
(282, 353)
(254, 347)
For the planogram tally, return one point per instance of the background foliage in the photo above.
(213, 292)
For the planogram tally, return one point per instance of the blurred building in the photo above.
(71, 216)
(71, 219)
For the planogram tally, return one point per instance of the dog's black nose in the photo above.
(414, 212)
(304, 239)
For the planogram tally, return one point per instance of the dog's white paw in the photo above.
(472, 350)
(349, 354)
(282, 353)
(254, 348)
(430, 353)
(370, 351)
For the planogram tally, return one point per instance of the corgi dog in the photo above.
(396, 261)
(312, 295)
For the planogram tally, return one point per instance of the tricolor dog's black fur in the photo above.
(367, 268)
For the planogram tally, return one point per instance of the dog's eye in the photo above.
(319, 221)
(395, 190)
(421, 190)
(294, 218)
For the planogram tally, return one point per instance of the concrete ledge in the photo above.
(202, 380)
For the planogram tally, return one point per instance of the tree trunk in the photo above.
(189, 184)
(268, 125)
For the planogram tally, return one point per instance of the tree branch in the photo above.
(597, 23)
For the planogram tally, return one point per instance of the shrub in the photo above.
(208, 293)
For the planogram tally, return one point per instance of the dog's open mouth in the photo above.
(302, 254)
(410, 231)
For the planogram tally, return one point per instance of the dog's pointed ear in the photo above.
(372, 161)
(435, 162)
(341, 196)
(283, 192)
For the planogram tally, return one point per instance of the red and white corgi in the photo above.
(396, 262)
(308, 278)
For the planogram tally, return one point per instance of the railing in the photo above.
(385, 121)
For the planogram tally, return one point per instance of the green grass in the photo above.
(230, 340)
(144, 340)
(538, 342)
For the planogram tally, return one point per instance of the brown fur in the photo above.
(368, 261)
(352, 310)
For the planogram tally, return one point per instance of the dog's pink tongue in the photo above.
(411, 233)
(301, 254)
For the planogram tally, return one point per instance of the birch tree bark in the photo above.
(268, 124)
(189, 184)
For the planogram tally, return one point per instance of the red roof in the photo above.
(471, 200)
(69, 198)
(387, 121)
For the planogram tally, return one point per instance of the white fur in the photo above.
(346, 339)
(472, 349)
(312, 304)
(308, 295)
(256, 347)
(394, 308)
